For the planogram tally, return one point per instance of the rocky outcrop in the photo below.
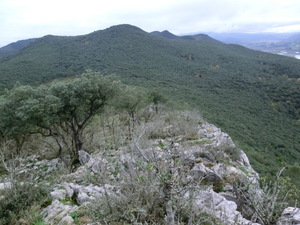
(290, 216)
(33, 164)
(215, 204)
(95, 164)
(58, 213)
(204, 169)
(79, 194)
(213, 160)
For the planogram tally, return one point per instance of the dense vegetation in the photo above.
(146, 153)
(16, 46)
(254, 96)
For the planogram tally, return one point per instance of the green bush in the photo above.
(19, 198)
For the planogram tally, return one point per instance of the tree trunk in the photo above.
(61, 147)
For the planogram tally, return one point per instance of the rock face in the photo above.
(290, 216)
(215, 204)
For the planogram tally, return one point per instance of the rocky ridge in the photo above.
(201, 173)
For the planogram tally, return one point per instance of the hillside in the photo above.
(16, 46)
(254, 96)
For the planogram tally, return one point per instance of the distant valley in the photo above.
(287, 44)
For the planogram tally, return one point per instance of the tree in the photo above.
(131, 99)
(62, 109)
(13, 124)
(157, 98)
(82, 98)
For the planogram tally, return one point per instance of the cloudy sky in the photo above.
(22, 19)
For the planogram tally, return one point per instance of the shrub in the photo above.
(266, 202)
(19, 198)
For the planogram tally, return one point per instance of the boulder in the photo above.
(84, 157)
(93, 163)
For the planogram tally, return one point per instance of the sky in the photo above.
(23, 19)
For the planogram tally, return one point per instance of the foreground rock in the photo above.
(216, 205)
(79, 194)
(290, 216)
(213, 159)
(58, 213)
(200, 172)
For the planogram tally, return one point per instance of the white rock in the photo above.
(217, 206)
(5, 185)
(58, 194)
(84, 157)
(290, 216)
(84, 197)
(67, 220)
(84, 193)
(56, 213)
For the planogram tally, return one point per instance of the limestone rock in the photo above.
(215, 135)
(58, 194)
(67, 220)
(216, 205)
(290, 216)
(95, 163)
(42, 167)
(58, 213)
(5, 185)
(82, 194)
(84, 157)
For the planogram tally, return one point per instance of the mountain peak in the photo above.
(124, 27)
(165, 33)
(200, 37)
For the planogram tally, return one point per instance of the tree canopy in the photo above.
(61, 109)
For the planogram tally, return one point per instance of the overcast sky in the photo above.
(22, 19)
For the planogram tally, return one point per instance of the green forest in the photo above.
(251, 95)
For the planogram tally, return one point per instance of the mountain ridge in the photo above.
(16, 46)
(234, 87)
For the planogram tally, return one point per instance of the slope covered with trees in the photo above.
(16, 46)
(254, 96)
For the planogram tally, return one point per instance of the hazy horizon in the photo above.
(21, 20)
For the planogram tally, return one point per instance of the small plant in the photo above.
(267, 202)
(218, 186)
(161, 144)
(200, 142)
(80, 217)
(69, 200)
(244, 170)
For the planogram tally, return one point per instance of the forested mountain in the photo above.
(16, 46)
(254, 96)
